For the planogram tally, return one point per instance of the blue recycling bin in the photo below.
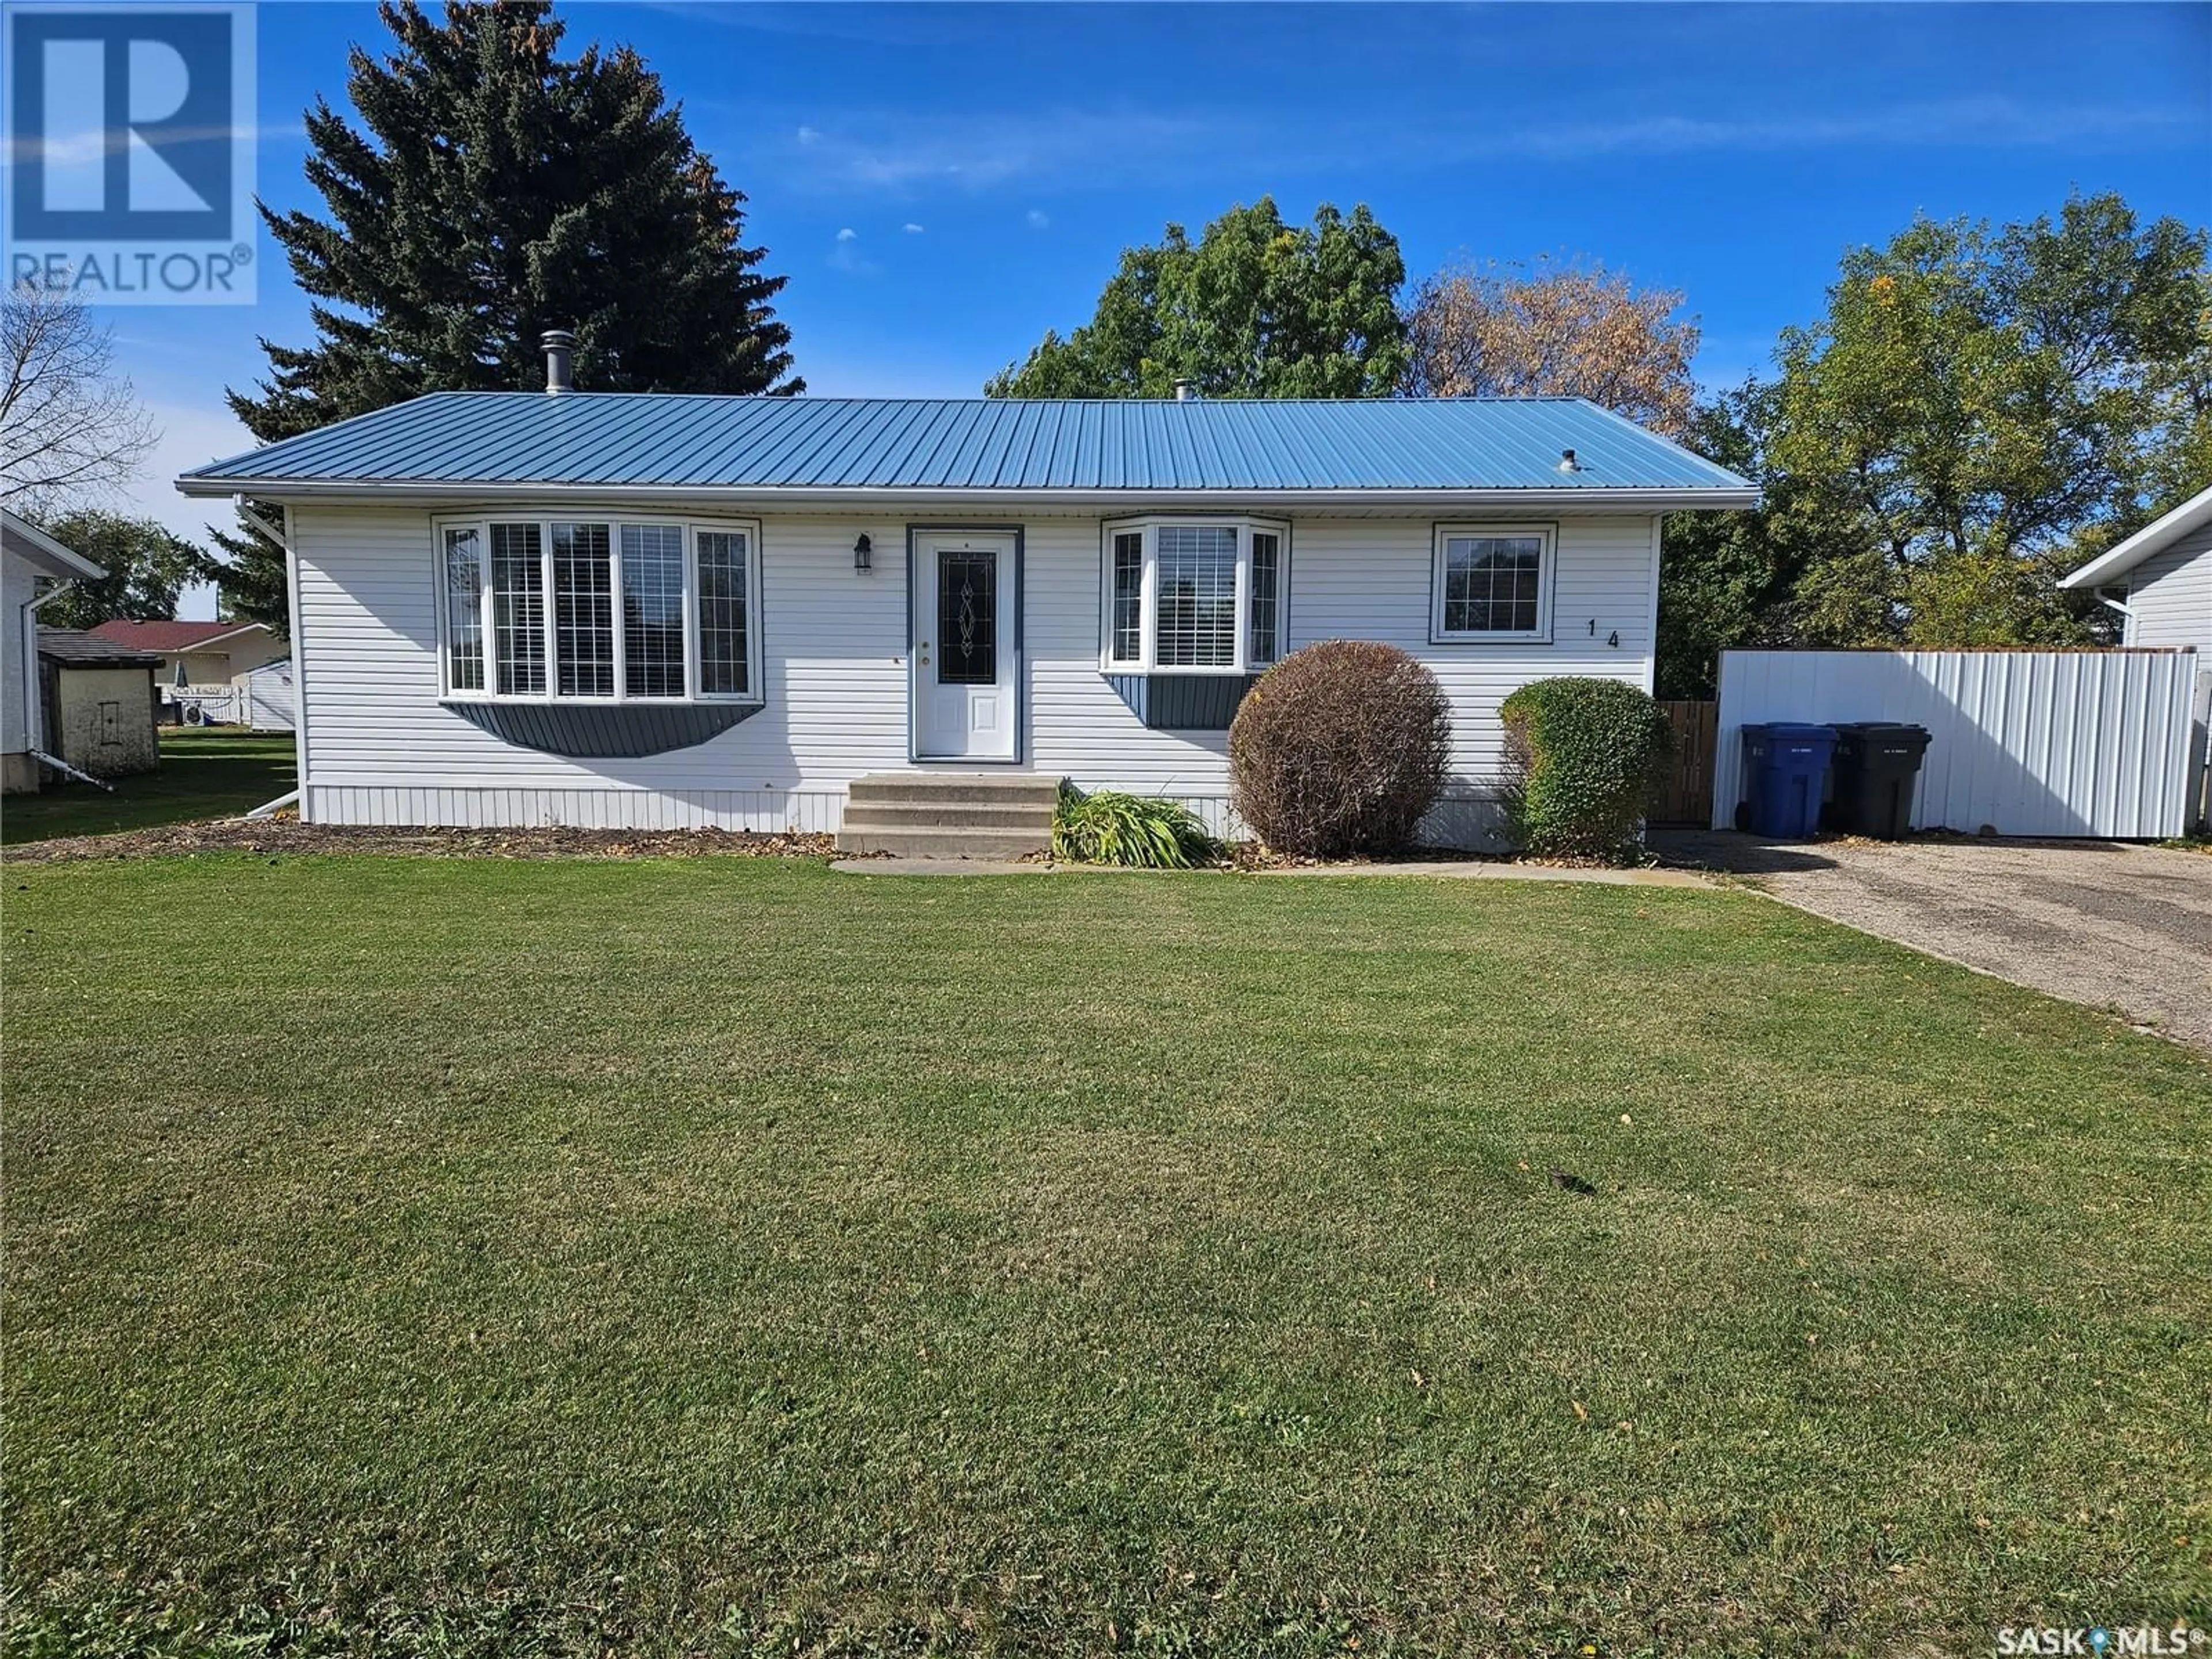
(1785, 773)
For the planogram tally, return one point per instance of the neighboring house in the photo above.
(269, 697)
(2160, 579)
(644, 609)
(100, 701)
(34, 568)
(200, 654)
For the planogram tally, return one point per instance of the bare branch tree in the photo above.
(1566, 331)
(70, 429)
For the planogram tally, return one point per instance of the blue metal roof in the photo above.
(642, 440)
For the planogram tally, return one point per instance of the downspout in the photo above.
(2127, 613)
(282, 537)
(27, 626)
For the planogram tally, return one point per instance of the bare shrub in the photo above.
(1341, 748)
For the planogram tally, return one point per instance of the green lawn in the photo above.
(205, 773)
(706, 1256)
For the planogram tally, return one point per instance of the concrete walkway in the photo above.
(1471, 869)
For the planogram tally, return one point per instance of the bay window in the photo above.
(588, 609)
(1193, 595)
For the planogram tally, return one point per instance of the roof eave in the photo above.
(36, 548)
(1664, 498)
(214, 639)
(2152, 539)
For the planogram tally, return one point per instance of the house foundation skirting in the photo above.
(1466, 818)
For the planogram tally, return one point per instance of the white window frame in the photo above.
(544, 519)
(1148, 611)
(1547, 566)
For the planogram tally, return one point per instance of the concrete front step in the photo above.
(983, 788)
(945, 843)
(944, 815)
(949, 815)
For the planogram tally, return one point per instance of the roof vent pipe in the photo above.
(1568, 463)
(560, 346)
(1183, 393)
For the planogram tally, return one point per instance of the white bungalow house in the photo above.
(879, 615)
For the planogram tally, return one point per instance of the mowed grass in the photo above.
(708, 1256)
(206, 772)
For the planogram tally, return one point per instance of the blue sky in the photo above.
(941, 184)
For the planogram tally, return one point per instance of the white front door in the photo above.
(965, 672)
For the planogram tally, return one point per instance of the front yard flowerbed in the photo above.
(278, 835)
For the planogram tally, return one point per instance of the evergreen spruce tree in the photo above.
(496, 190)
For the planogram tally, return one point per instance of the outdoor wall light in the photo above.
(860, 554)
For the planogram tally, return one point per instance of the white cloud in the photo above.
(894, 151)
(911, 228)
(902, 154)
(1039, 220)
(849, 235)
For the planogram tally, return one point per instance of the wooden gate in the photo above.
(1685, 795)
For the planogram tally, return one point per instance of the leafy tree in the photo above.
(1254, 308)
(147, 568)
(1570, 330)
(70, 426)
(1979, 413)
(496, 190)
(1978, 400)
(1796, 572)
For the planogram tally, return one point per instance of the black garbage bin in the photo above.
(1877, 768)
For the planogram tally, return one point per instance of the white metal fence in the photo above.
(207, 705)
(2022, 743)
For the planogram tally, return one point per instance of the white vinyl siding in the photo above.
(19, 707)
(2169, 595)
(832, 668)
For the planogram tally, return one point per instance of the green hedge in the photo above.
(1582, 755)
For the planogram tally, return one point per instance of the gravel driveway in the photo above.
(2118, 927)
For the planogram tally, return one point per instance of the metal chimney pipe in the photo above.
(560, 346)
(1183, 393)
